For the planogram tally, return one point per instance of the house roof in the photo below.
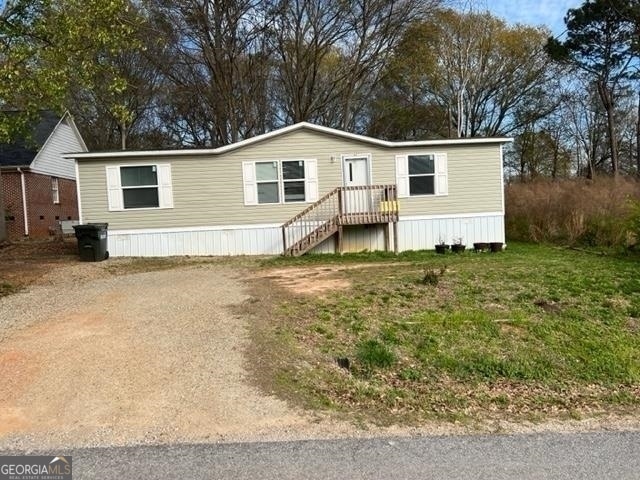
(23, 151)
(282, 131)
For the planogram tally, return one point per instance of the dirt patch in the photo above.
(27, 262)
(307, 281)
(317, 280)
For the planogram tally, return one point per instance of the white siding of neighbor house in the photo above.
(208, 189)
(49, 160)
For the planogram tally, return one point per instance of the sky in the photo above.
(532, 12)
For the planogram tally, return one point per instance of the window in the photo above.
(293, 181)
(139, 186)
(422, 175)
(267, 182)
(285, 181)
(55, 190)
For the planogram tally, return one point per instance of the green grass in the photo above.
(530, 332)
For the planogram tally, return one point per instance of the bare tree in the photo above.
(217, 80)
(331, 55)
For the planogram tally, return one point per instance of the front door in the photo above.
(356, 174)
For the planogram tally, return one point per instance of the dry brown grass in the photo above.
(577, 211)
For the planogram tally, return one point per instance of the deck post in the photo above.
(340, 239)
(395, 237)
(387, 234)
(284, 240)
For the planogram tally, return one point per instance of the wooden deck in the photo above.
(361, 205)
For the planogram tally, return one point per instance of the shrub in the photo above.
(577, 211)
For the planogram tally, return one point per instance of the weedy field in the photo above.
(531, 333)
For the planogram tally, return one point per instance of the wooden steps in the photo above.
(357, 205)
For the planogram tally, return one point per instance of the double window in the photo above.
(422, 174)
(280, 181)
(139, 186)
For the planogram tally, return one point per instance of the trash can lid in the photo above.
(91, 226)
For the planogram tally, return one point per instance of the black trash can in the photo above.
(92, 241)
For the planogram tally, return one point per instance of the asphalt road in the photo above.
(605, 455)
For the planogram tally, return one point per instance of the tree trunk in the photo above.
(638, 139)
(554, 167)
(123, 135)
(606, 97)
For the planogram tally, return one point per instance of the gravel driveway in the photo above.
(96, 356)
(88, 358)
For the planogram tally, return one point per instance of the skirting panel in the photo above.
(413, 234)
(424, 234)
(245, 241)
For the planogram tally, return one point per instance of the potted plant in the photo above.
(481, 246)
(496, 247)
(441, 247)
(458, 246)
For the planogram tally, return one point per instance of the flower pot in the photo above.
(481, 246)
(442, 248)
(457, 248)
(495, 247)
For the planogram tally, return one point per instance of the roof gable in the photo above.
(23, 151)
(284, 131)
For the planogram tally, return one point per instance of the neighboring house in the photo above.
(38, 184)
(303, 187)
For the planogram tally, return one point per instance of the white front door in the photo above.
(356, 174)
(356, 171)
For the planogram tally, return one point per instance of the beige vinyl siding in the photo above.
(474, 180)
(208, 190)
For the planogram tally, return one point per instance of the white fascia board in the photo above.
(76, 132)
(282, 131)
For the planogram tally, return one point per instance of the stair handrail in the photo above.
(311, 207)
(332, 207)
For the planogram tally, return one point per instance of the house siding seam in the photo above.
(39, 204)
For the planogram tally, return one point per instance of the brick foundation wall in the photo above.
(13, 204)
(42, 212)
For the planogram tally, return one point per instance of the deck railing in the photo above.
(358, 205)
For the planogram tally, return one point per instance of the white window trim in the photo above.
(55, 190)
(165, 192)
(440, 158)
(281, 181)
